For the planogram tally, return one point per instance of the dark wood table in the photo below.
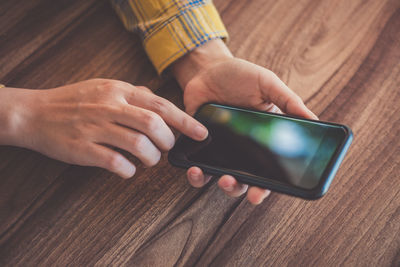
(342, 57)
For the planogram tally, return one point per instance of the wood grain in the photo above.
(342, 57)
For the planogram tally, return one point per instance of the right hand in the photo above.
(210, 73)
(81, 123)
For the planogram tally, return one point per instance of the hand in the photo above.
(82, 123)
(211, 74)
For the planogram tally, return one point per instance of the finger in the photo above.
(170, 113)
(277, 92)
(147, 122)
(132, 141)
(256, 195)
(231, 187)
(104, 157)
(196, 177)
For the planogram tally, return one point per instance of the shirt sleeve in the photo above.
(170, 28)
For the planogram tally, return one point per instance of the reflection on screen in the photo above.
(284, 149)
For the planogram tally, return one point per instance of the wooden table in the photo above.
(342, 57)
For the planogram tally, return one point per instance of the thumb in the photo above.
(194, 97)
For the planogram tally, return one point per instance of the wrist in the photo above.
(198, 60)
(14, 110)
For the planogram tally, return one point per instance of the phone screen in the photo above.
(289, 150)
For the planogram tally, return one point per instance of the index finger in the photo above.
(171, 114)
(276, 91)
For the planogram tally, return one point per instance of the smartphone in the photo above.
(286, 154)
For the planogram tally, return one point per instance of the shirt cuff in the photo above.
(189, 28)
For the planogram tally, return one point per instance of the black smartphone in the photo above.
(282, 153)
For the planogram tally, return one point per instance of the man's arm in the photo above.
(81, 123)
(170, 29)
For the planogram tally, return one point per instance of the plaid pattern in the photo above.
(170, 28)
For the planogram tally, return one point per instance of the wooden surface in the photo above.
(342, 57)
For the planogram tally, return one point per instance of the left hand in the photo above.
(211, 74)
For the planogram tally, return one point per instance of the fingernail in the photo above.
(200, 132)
(312, 115)
(264, 196)
(195, 176)
(229, 188)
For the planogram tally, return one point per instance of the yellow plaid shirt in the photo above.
(170, 28)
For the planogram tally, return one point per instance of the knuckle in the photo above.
(152, 121)
(186, 122)
(76, 147)
(124, 110)
(140, 143)
(110, 87)
(114, 161)
(160, 105)
(143, 149)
